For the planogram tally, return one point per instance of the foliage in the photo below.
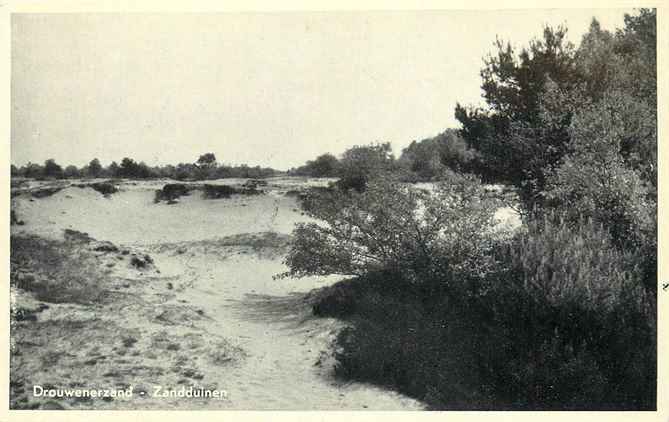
(53, 271)
(131, 169)
(570, 299)
(534, 98)
(512, 86)
(51, 169)
(562, 315)
(596, 180)
(207, 160)
(426, 237)
(71, 172)
(429, 158)
(205, 168)
(562, 323)
(359, 164)
(94, 168)
(325, 165)
(171, 192)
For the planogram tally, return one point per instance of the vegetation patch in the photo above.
(45, 192)
(225, 191)
(171, 192)
(105, 188)
(54, 271)
(573, 332)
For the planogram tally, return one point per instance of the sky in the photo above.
(273, 89)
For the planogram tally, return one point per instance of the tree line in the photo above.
(205, 167)
(423, 160)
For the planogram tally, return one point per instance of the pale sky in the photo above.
(263, 89)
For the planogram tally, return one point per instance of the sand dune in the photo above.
(207, 313)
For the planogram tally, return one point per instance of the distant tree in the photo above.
(71, 172)
(128, 167)
(51, 169)
(32, 170)
(14, 171)
(113, 169)
(185, 171)
(205, 166)
(144, 171)
(94, 168)
(207, 160)
(360, 164)
(325, 165)
(428, 158)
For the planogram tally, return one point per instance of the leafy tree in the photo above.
(429, 157)
(113, 169)
(207, 160)
(325, 165)
(128, 167)
(52, 169)
(32, 170)
(360, 164)
(205, 165)
(94, 168)
(513, 86)
(185, 171)
(525, 132)
(71, 172)
(143, 171)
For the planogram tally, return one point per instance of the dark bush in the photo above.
(219, 191)
(105, 188)
(44, 192)
(141, 262)
(225, 191)
(570, 301)
(171, 192)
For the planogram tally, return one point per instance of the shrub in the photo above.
(105, 188)
(224, 191)
(171, 191)
(579, 328)
(218, 191)
(426, 237)
(360, 164)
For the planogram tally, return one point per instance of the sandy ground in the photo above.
(207, 313)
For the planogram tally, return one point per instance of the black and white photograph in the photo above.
(357, 210)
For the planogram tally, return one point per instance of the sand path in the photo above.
(285, 365)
